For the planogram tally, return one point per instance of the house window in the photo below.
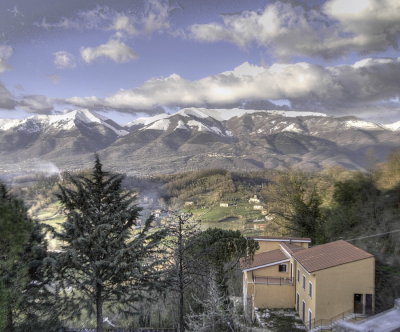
(298, 275)
(304, 282)
(282, 267)
(310, 319)
(310, 289)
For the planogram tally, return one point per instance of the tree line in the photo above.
(361, 207)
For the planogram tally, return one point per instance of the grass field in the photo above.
(240, 216)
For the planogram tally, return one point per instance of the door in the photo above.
(368, 304)
(358, 303)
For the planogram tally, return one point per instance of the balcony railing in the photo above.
(273, 280)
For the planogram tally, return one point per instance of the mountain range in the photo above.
(193, 138)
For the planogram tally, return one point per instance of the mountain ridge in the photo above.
(195, 138)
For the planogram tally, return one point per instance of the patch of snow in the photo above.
(293, 128)
(200, 126)
(181, 125)
(217, 130)
(147, 120)
(162, 124)
(361, 124)
(393, 126)
(6, 124)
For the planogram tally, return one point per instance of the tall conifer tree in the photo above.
(103, 260)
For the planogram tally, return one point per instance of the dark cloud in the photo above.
(36, 104)
(7, 100)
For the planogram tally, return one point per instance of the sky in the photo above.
(129, 58)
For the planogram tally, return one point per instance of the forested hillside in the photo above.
(361, 207)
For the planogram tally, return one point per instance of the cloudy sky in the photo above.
(135, 57)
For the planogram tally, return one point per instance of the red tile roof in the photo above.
(263, 258)
(291, 248)
(329, 255)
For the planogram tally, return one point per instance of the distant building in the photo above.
(224, 204)
(258, 207)
(320, 283)
(254, 199)
(189, 203)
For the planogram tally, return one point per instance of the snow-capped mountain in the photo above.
(61, 122)
(59, 136)
(198, 138)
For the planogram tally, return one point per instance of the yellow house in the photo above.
(321, 283)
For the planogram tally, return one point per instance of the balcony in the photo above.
(273, 281)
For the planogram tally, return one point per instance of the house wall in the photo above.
(336, 287)
(268, 296)
(272, 245)
(274, 296)
(310, 301)
(271, 271)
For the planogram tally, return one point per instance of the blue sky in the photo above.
(130, 57)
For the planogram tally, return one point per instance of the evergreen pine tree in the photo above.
(25, 301)
(103, 260)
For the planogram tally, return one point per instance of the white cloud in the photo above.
(5, 53)
(340, 27)
(95, 18)
(114, 49)
(123, 23)
(63, 59)
(144, 18)
(156, 16)
(343, 88)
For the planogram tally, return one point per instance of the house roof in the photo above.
(329, 255)
(262, 259)
(277, 238)
(291, 248)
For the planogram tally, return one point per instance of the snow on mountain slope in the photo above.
(293, 128)
(218, 114)
(147, 120)
(66, 121)
(393, 126)
(162, 124)
(361, 124)
(6, 124)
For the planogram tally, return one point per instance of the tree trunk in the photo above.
(99, 307)
(180, 278)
